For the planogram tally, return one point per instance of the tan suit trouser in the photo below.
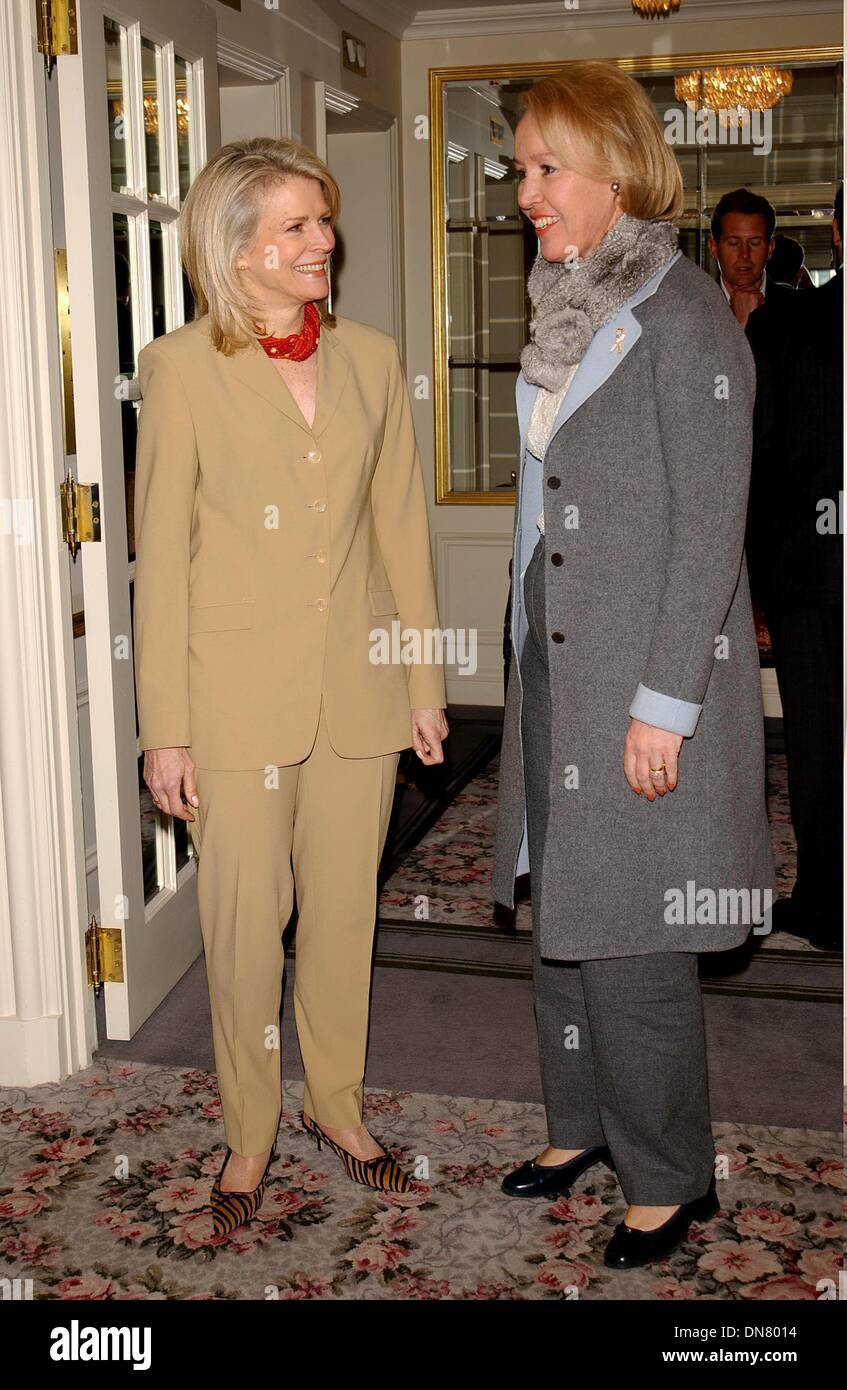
(326, 819)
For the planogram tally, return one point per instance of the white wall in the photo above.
(367, 284)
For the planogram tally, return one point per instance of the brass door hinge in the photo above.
(104, 954)
(55, 26)
(80, 512)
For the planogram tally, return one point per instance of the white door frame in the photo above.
(318, 96)
(263, 70)
(47, 1026)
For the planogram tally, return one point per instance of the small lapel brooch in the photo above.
(617, 346)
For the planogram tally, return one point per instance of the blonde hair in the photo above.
(219, 219)
(601, 123)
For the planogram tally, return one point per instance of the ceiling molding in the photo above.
(244, 60)
(395, 16)
(339, 101)
(406, 19)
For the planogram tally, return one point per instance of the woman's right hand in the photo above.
(166, 772)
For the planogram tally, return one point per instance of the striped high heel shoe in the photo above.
(233, 1209)
(382, 1172)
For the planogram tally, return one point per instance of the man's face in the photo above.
(743, 249)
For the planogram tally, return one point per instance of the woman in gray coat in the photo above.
(632, 782)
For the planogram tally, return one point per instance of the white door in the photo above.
(137, 115)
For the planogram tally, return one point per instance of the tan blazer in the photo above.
(267, 552)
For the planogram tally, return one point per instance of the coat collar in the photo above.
(605, 352)
(252, 366)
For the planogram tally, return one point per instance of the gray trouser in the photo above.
(621, 1040)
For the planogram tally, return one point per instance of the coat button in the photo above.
(320, 556)
(554, 482)
(320, 505)
(321, 605)
(556, 558)
(557, 636)
(313, 456)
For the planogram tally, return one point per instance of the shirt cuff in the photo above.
(677, 716)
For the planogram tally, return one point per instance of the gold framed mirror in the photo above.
(483, 247)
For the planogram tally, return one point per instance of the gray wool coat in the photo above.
(652, 447)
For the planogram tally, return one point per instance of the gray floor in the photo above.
(771, 1061)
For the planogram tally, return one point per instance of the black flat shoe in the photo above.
(629, 1249)
(552, 1179)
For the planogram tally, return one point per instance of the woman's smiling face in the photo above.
(571, 213)
(294, 236)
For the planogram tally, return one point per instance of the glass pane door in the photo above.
(153, 158)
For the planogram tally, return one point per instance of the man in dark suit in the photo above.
(794, 552)
(742, 243)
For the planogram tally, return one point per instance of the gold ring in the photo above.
(658, 769)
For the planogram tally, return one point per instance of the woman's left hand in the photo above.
(647, 748)
(429, 727)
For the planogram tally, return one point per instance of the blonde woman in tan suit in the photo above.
(280, 519)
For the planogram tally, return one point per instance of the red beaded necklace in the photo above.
(297, 346)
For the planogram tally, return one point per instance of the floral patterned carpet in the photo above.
(457, 856)
(104, 1178)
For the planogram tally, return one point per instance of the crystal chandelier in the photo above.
(728, 89)
(652, 9)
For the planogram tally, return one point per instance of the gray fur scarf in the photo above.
(573, 299)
